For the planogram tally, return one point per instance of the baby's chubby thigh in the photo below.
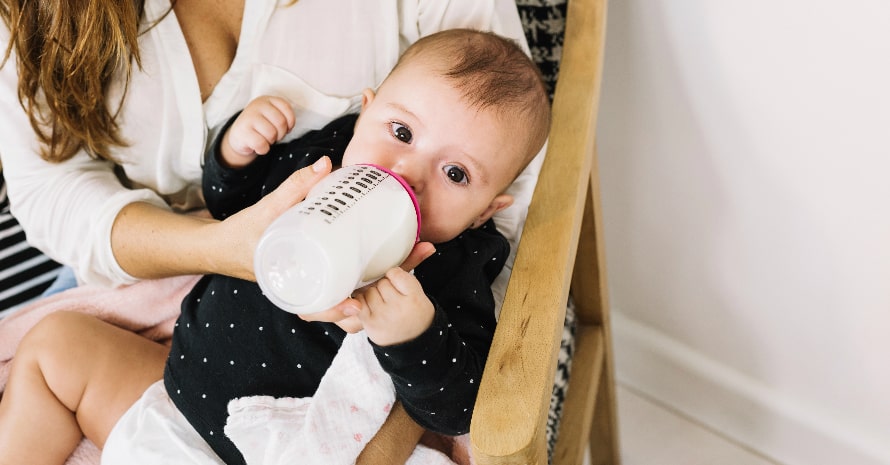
(95, 369)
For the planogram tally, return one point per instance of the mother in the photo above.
(108, 106)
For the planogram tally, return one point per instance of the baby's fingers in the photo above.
(273, 127)
(260, 140)
(285, 114)
(401, 281)
(383, 291)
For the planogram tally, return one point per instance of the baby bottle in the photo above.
(353, 226)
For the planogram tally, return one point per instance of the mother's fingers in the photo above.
(331, 315)
(420, 252)
(337, 315)
(294, 189)
(351, 324)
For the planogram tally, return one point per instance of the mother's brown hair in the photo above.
(67, 53)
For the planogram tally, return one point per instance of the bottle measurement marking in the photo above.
(343, 196)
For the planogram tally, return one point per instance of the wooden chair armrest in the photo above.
(509, 420)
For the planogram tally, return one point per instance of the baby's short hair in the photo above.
(492, 72)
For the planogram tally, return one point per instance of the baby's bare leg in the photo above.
(72, 375)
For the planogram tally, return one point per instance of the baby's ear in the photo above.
(499, 203)
(367, 96)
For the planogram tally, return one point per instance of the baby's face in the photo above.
(456, 158)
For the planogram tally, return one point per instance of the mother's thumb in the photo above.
(294, 189)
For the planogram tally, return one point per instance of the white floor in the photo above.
(653, 434)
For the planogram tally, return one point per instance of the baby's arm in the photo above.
(264, 121)
(436, 373)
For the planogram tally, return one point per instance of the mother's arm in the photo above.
(152, 242)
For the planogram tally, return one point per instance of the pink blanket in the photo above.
(149, 308)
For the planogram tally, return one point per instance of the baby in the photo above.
(458, 118)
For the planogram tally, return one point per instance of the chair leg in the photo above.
(580, 404)
(603, 446)
(590, 291)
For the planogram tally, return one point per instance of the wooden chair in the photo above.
(560, 252)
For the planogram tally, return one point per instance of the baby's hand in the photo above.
(264, 121)
(345, 313)
(395, 309)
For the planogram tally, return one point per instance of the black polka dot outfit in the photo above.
(230, 341)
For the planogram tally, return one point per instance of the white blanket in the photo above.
(331, 428)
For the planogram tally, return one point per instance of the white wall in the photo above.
(745, 168)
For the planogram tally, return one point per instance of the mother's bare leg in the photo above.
(72, 375)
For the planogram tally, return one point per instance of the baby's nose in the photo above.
(410, 178)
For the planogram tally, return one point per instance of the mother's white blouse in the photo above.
(318, 53)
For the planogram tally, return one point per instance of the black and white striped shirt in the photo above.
(25, 272)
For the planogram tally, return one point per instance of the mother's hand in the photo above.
(344, 313)
(151, 242)
(243, 230)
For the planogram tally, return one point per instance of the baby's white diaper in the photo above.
(154, 432)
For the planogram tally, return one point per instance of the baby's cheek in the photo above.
(347, 158)
(354, 155)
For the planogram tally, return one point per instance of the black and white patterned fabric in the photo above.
(25, 272)
(561, 379)
(544, 23)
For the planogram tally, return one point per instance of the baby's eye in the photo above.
(401, 132)
(456, 174)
